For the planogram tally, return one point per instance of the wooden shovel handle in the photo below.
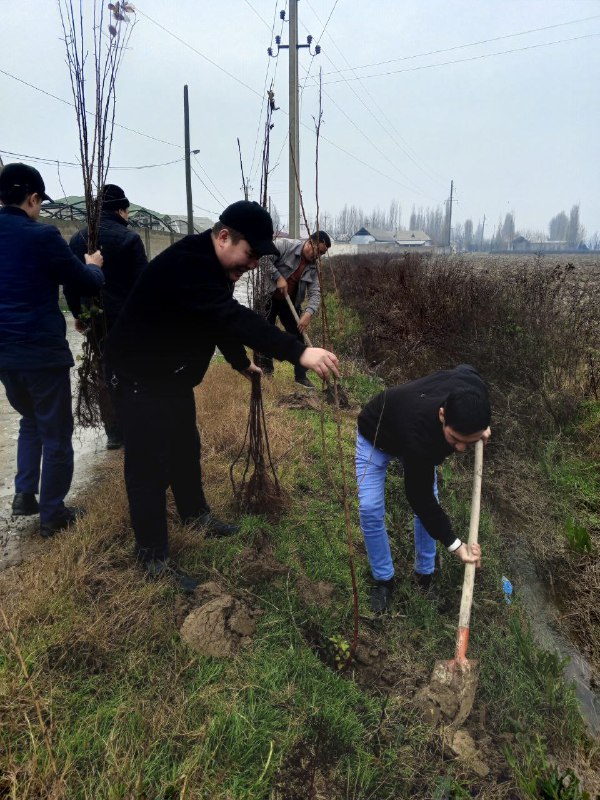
(469, 580)
(307, 341)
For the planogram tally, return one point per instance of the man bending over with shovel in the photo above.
(421, 423)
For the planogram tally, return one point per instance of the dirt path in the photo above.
(19, 535)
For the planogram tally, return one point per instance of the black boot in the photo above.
(24, 504)
(424, 582)
(67, 517)
(211, 526)
(381, 595)
(159, 568)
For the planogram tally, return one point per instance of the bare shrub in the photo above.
(532, 329)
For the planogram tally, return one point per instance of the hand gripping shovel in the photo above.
(307, 341)
(453, 683)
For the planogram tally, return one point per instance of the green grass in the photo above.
(134, 713)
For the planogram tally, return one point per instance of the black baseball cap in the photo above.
(254, 223)
(22, 176)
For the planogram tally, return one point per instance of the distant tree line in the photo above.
(465, 235)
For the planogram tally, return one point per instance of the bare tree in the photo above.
(95, 41)
(558, 227)
(468, 234)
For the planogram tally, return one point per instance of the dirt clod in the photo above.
(219, 627)
(463, 746)
(258, 563)
(301, 400)
(451, 691)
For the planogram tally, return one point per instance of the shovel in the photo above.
(454, 682)
(342, 397)
(307, 341)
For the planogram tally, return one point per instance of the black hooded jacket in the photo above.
(404, 421)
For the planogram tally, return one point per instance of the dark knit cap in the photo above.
(113, 198)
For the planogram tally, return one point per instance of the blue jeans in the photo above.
(44, 450)
(371, 471)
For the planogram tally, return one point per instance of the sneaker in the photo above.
(305, 382)
(159, 568)
(381, 595)
(424, 582)
(113, 441)
(213, 527)
(67, 517)
(24, 504)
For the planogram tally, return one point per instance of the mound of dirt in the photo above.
(318, 593)
(219, 627)
(450, 694)
(463, 746)
(301, 400)
(257, 563)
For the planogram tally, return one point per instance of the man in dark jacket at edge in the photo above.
(182, 309)
(124, 259)
(35, 359)
(421, 423)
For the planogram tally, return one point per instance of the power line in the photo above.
(252, 173)
(464, 60)
(211, 193)
(264, 93)
(462, 46)
(52, 161)
(262, 19)
(67, 103)
(193, 49)
(209, 179)
(402, 146)
(395, 136)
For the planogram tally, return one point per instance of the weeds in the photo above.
(133, 713)
(539, 779)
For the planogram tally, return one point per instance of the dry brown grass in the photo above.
(225, 396)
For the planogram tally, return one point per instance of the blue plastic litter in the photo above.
(507, 589)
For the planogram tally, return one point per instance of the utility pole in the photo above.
(188, 165)
(482, 230)
(450, 214)
(294, 115)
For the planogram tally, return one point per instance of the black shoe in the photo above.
(157, 569)
(113, 441)
(24, 504)
(381, 594)
(305, 382)
(213, 527)
(68, 516)
(424, 582)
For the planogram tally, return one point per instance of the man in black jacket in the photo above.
(182, 309)
(421, 423)
(35, 359)
(124, 260)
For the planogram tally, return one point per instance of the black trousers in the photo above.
(162, 450)
(280, 309)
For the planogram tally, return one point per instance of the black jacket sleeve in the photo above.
(234, 322)
(418, 483)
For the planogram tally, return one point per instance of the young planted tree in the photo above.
(258, 491)
(96, 37)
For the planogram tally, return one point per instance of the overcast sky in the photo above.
(516, 131)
